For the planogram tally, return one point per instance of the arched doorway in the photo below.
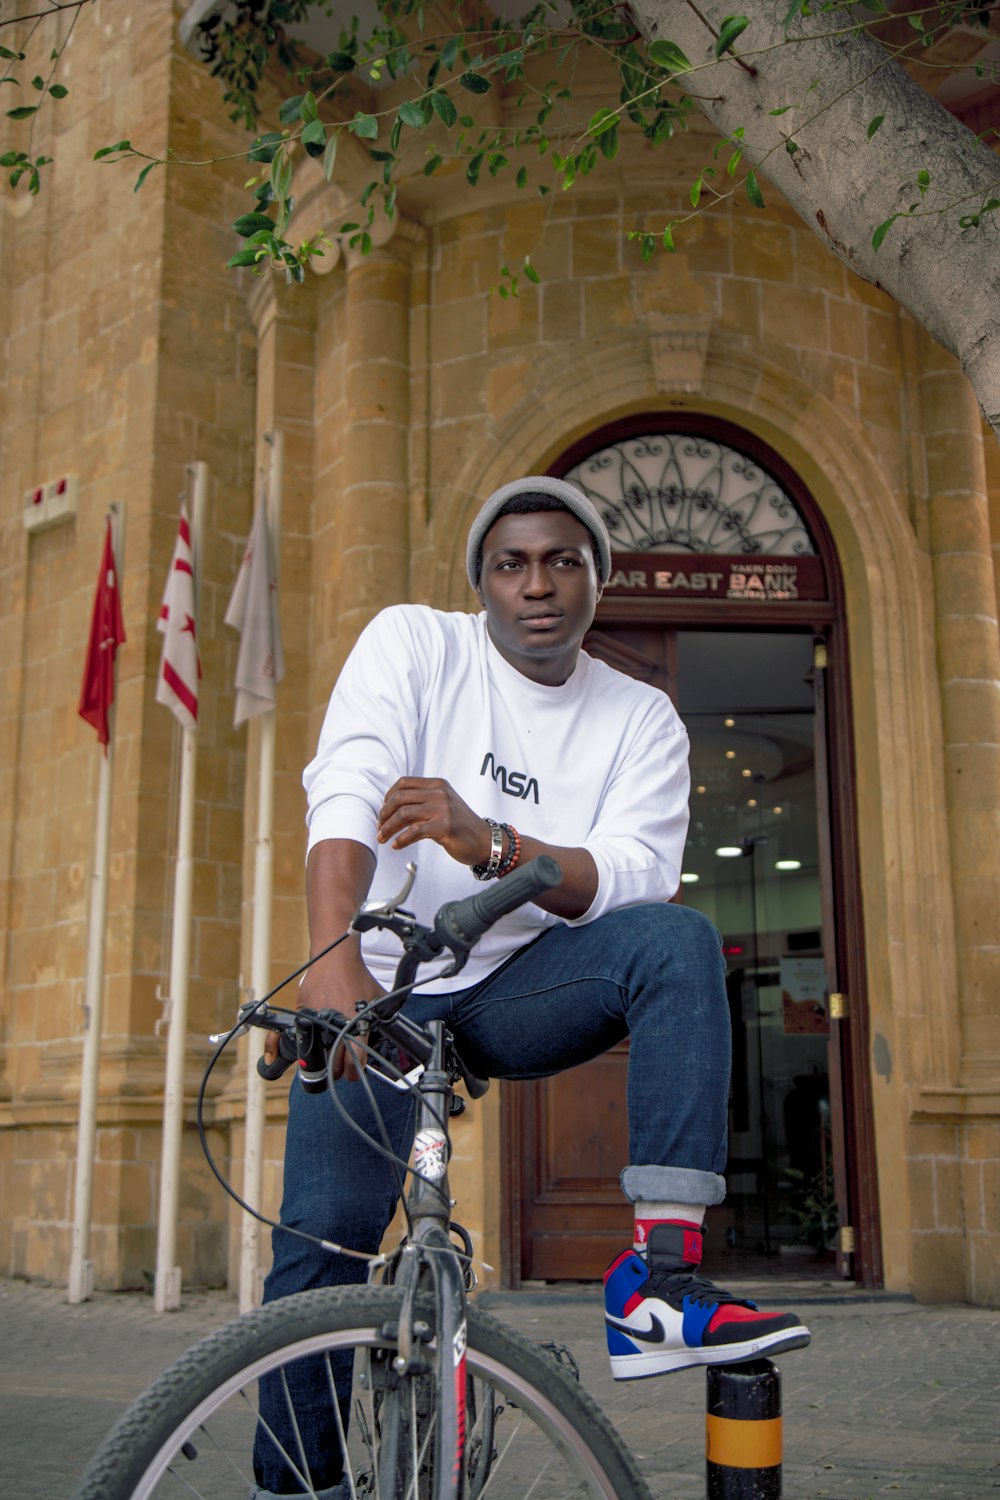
(726, 593)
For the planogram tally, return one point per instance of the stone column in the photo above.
(284, 319)
(968, 662)
(372, 508)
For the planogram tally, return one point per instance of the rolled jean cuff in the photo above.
(673, 1185)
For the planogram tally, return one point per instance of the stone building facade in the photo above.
(405, 394)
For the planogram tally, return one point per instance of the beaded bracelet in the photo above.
(513, 851)
(492, 866)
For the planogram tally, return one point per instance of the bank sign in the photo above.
(685, 575)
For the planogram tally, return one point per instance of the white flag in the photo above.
(180, 667)
(253, 610)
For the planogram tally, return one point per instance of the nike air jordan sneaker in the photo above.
(663, 1316)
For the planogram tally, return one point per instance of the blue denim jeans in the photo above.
(653, 973)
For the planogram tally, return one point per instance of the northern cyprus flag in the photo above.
(180, 666)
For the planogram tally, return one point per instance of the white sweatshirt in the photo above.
(600, 762)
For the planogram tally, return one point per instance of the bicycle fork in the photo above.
(430, 1248)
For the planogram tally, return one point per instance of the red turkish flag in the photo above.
(107, 633)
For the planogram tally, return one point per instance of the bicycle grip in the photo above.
(287, 1054)
(462, 923)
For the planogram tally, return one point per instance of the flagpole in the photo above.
(167, 1286)
(81, 1268)
(253, 1155)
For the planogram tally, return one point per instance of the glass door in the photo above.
(753, 865)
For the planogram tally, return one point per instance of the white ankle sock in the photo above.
(648, 1213)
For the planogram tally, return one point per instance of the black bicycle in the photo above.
(427, 1397)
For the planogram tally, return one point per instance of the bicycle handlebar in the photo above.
(460, 924)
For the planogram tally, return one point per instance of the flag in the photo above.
(107, 633)
(180, 666)
(253, 610)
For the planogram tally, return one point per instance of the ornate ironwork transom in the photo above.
(677, 492)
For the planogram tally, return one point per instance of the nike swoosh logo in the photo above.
(652, 1335)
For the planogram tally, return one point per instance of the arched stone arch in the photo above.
(888, 594)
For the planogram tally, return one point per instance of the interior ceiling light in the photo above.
(699, 789)
(776, 809)
(730, 754)
(751, 802)
(746, 771)
(729, 851)
(729, 723)
(690, 878)
(788, 864)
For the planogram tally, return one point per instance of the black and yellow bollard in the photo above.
(743, 1432)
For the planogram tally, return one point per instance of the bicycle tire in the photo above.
(191, 1432)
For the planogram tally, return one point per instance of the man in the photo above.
(444, 729)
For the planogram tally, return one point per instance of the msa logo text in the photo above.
(514, 783)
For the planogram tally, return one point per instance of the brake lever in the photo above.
(379, 909)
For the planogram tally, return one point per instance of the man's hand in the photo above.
(425, 807)
(336, 982)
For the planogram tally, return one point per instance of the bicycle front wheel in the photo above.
(533, 1431)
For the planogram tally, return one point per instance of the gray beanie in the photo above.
(540, 484)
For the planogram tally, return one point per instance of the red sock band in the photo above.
(692, 1236)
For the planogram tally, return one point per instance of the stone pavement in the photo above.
(891, 1399)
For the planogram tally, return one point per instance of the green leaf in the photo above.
(473, 169)
(443, 107)
(874, 124)
(265, 146)
(753, 190)
(38, 82)
(923, 180)
(449, 52)
(602, 120)
(242, 258)
(608, 143)
(647, 248)
(248, 224)
(310, 109)
(521, 179)
(11, 158)
(668, 55)
(365, 126)
(110, 150)
(291, 110)
(58, 91)
(366, 243)
(883, 230)
(668, 238)
(531, 273)
(143, 175)
(731, 28)
(734, 162)
(695, 192)
(432, 165)
(14, 81)
(340, 62)
(330, 155)
(475, 82)
(11, 56)
(16, 175)
(782, 110)
(412, 113)
(791, 147)
(22, 112)
(314, 134)
(793, 10)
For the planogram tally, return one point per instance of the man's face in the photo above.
(539, 587)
